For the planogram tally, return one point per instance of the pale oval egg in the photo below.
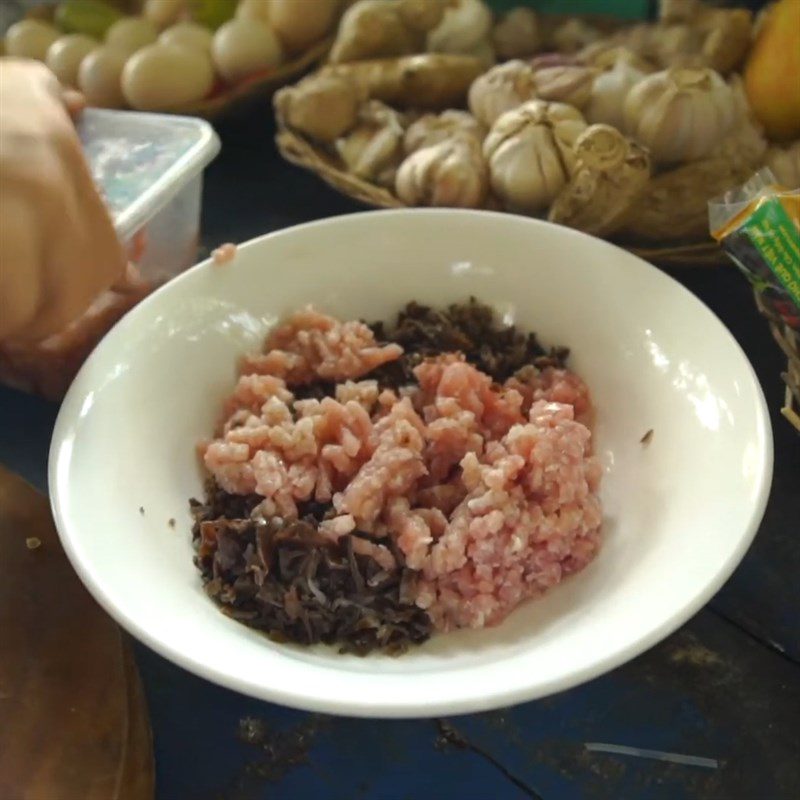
(65, 55)
(166, 76)
(163, 13)
(131, 34)
(243, 46)
(253, 9)
(30, 38)
(299, 23)
(100, 77)
(188, 34)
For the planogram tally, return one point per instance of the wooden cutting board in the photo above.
(74, 721)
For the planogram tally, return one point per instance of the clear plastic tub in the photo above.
(149, 169)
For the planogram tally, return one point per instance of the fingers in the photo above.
(83, 256)
(74, 101)
(20, 253)
(131, 282)
(59, 248)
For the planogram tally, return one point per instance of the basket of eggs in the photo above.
(198, 57)
(621, 130)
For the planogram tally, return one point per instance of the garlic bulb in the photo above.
(502, 88)
(508, 85)
(322, 106)
(372, 29)
(421, 15)
(678, 10)
(483, 52)
(451, 173)
(571, 84)
(374, 148)
(517, 34)
(609, 174)
(555, 60)
(431, 129)
(530, 156)
(605, 56)
(679, 114)
(677, 46)
(746, 142)
(609, 91)
(572, 35)
(785, 164)
(465, 23)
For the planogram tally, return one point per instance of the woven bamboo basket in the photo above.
(302, 153)
(693, 249)
(249, 92)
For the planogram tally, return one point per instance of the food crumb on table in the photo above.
(141, 510)
(647, 437)
(33, 543)
(171, 522)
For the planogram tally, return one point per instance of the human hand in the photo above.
(58, 247)
(47, 367)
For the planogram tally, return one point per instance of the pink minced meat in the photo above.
(488, 491)
(311, 345)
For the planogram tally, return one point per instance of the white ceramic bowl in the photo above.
(680, 511)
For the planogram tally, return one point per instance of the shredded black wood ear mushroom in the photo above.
(470, 328)
(285, 578)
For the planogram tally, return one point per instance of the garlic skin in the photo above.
(609, 91)
(464, 25)
(530, 155)
(785, 164)
(431, 129)
(610, 173)
(570, 84)
(500, 89)
(322, 107)
(679, 114)
(517, 35)
(373, 149)
(451, 173)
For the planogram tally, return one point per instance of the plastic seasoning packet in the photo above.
(758, 226)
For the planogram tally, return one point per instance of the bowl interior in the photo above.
(679, 511)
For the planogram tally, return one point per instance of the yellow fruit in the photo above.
(772, 72)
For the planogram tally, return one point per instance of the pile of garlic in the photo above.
(164, 59)
(372, 29)
(597, 131)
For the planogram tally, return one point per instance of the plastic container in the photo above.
(149, 169)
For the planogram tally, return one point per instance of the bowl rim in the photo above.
(467, 702)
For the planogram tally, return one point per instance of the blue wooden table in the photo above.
(713, 712)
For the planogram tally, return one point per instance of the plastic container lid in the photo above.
(141, 161)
